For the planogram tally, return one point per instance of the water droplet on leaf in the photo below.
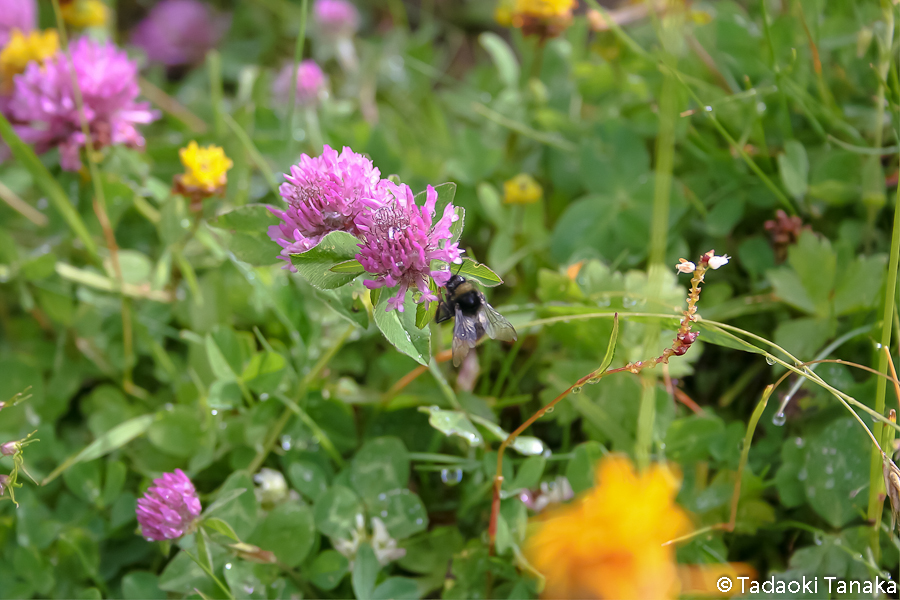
(451, 477)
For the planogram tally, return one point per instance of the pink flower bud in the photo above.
(167, 511)
(9, 448)
(3, 480)
(685, 266)
(336, 18)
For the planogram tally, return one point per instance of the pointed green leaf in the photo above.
(399, 328)
(316, 264)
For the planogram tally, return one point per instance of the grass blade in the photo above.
(46, 182)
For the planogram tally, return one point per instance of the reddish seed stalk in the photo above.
(682, 342)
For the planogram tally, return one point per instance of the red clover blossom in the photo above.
(168, 511)
(336, 18)
(180, 32)
(16, 14)
(399, 241)
(326, 193)
(44, 101)
(310, 82)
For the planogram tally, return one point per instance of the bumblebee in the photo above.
(474, 317)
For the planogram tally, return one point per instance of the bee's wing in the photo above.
(495, 325)
(465, 336)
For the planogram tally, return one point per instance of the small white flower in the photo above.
(718, 261)
(272, 488)
(685, 266)
(383, 544)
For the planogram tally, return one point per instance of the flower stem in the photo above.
(100, 206)
(682, 342)
(298, 56)
(301, 394)
(876, 478)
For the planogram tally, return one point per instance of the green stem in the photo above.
(320, 434)
(787, 130)
(298, 56)
(448, 392)
(254, 153)
(214, 67)
(282, 422)
(634, 46)
(876, 480)
(44, 180)
(100, 201)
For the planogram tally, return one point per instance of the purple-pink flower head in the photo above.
(168, 510)
(16, 14)
(180, 32)
(43, 101)
(310, 82)
(336, 18)
(400, 240)
(324, 194)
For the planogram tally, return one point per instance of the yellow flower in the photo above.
(504, 12)
(608, 543)
(85, 13)
(545, 9)
(205, 168)
(544, 18)
(522, 189)
(21, 50)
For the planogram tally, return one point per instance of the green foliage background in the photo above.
(685, 132)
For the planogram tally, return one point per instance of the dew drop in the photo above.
(228, 566)
(829, 469)
(829, 483)
(451, 477)
(802, 475)
(576, 389)
(214, 412)
(799, 442)
(770, 360)
(779, 419)
(550, 409)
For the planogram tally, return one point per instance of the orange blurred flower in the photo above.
(546, 18)
(608, 543)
